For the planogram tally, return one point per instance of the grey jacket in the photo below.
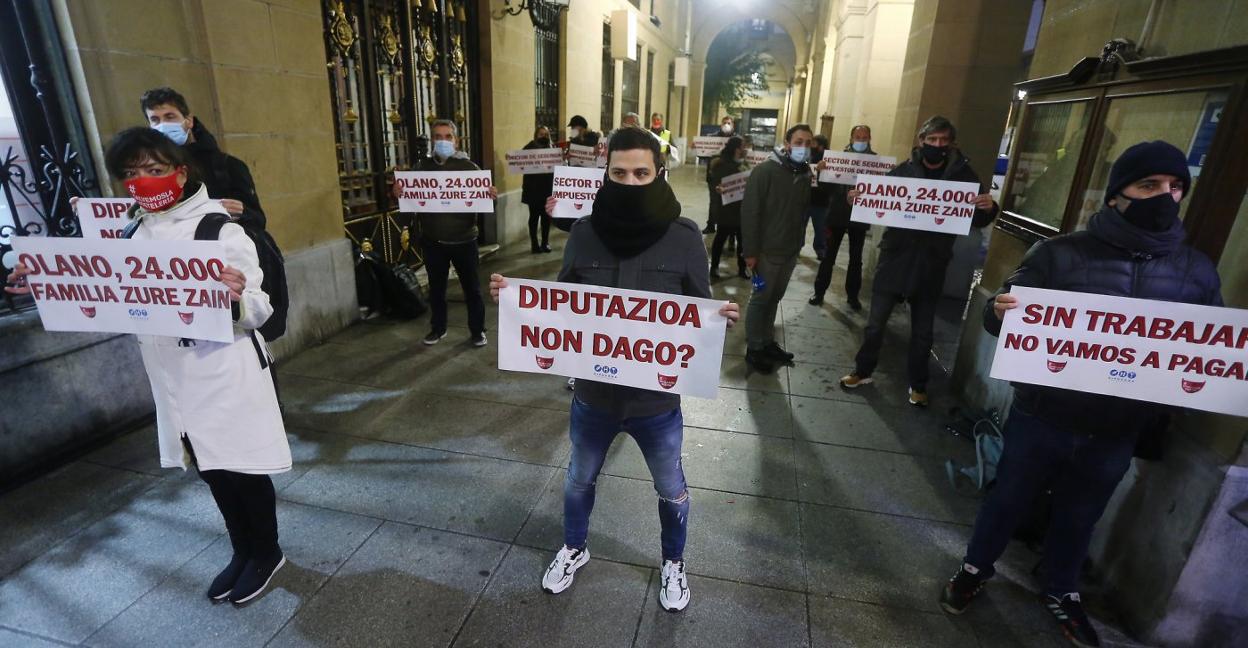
(448, 227)
(773, 212)
(675, 265)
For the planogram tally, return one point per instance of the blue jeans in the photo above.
(818, 216)
(659, 438)
(1082, 472)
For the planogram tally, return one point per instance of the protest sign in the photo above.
(102, 217)
(734, 187)
(652, 341)
(708, 146)
(915, 203)
(1160, 352)
(525, 161)
(755, 158)
(169, 288)
(845, 167)
(445, 191)
(574, 191)
(585, 156)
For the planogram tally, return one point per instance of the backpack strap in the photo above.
(209, 227)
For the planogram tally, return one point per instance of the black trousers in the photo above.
(853, 275)
(722, 234)
(922, 322)
(439, 257)
(712, 218)
(537, 214)
(248, 504)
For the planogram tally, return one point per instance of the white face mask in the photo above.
(726, 128)
(574, 132)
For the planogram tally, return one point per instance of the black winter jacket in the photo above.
(225, 175)
(913, 262)
(537, 187)
(839, 209)
(1101, 260)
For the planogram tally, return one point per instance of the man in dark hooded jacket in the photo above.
(634, 239)
(227, 178)
(912, 262)
(1081, 443)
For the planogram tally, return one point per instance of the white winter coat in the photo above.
(216, 394)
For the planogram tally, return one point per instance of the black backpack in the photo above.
(392, 289)
(271, 263)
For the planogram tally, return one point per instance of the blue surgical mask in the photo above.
(860, 146)
(172, 130)
(799, 154)
(443, 148)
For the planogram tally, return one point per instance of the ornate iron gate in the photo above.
(395, 67)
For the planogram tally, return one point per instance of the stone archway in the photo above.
(793, 16)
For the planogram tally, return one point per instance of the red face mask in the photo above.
(155, 193)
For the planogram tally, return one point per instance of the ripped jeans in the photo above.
(659, 438)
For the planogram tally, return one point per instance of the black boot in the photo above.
(223, 584)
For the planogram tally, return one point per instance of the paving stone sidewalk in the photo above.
(426, 500)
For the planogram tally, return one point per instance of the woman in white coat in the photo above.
(216, 403)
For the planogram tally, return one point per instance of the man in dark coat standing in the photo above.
(227, 178)
(912, 262)
(1080, 444)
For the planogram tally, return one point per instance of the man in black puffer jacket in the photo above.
(1079, 443)
(912, 262)
(227, 178)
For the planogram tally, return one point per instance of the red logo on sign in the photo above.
(1056, 367)
(420, 202)
(1191, 386)
(544, 363)
(667, 382)
(187, 318)
(467, 203)
(940, 221)
(578, 206)
(879, 214)
(89, 311)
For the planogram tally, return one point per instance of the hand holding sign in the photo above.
(574, 191)
(915, 203)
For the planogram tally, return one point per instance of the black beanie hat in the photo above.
(1145, 159)
(578, 120)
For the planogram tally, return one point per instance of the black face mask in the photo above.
(1156, 214)
(630, 218)
(935, 154)
(544, 141)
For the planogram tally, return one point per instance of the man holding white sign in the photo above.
(839, 224)
(1076, 442)
(914, 252)
(448, 232)
(635, 240)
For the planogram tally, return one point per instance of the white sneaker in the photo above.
(673, 586)
(558, 576)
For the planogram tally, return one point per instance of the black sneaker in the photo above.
(223, 584)
(1068, 610)
(433, 338)
(816, 300)
(960, 589)
(777, 352)
(545, 249)
(855, 304)
(709, 229)
(760, 361)
(255, 578)
(479, 340)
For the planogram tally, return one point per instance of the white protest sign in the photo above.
(755, 158)
(845, 167)
(445, 191)
(648, 340)
(1160, 352)
(585, 156)
(734, 187)
(169, 288)
(708, 146)
(102, 217)
(915, 203)
(525, 161)
(574, 191)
